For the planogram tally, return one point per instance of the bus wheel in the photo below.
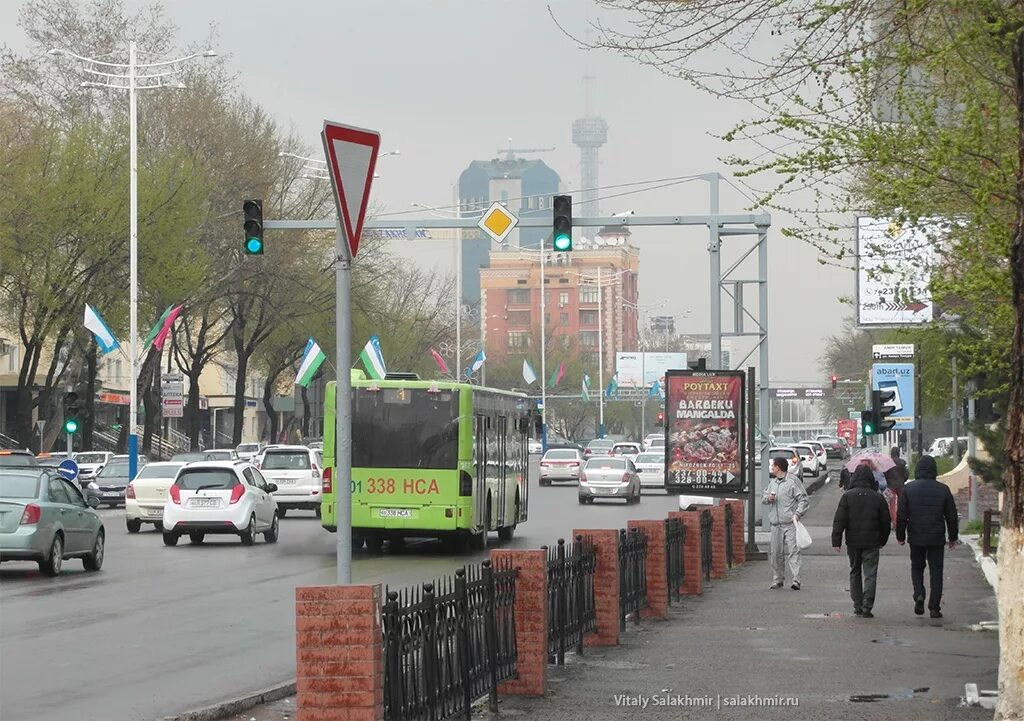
(397, 545)
(505, 533)
(374, 545)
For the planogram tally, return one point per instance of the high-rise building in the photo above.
(526, 186)
(589, 133)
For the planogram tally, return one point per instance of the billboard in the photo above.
(640, 370)
(897, 377)
(893, 272)
(630, 369)
(847, 430)
(704, 442)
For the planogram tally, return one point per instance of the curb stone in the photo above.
(226, 709)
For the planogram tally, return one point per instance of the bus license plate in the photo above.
(395, 513)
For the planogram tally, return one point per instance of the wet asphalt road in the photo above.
(162, 630)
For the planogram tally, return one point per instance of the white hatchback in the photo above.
(296, 470)
(651, 469)
(145, 497)
(220, 497)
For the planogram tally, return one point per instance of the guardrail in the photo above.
(571, 603)
(632, 574)
(706, 523)
(989, 519)
(447, 645)
(674, 569)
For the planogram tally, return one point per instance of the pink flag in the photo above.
(440, 361)
(161, 337)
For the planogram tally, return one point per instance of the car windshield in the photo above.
(192, 479)
(118, 467)
(593, 445)
(828, 439)
(650, 458)
(614, 464)
(560, 455)
(159, 471)
(286, 461)
(804, 450)
(781, 453)
(18, 486)
(90, 458)
(18, 459)
(248, 448)
(658, 441)
(219, 455)
(190, 457)
(624, 449)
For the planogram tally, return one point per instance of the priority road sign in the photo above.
(498, 222)
(351, 157)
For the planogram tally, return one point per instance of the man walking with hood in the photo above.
(787, 502)
(926, 516)
(863, 515)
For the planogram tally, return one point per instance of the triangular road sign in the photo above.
(351, 157)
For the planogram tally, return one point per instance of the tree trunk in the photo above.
(240, 374)
(24, 428)
(89, 421)
(268, 406)
(1011, 537)
(192, 416)
(151, 399)
(305, 411)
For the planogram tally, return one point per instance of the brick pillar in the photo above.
(606, 586)
(657, 574)
(739, 541)
(531, 616)
(693, 581)
(339, 653)
(718, 560)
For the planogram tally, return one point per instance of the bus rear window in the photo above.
(404, 428)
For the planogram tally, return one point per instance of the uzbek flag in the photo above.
(312, 359)
(105, 338)
(585, 387)
(373, 359)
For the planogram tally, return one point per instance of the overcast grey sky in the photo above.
(449, 82)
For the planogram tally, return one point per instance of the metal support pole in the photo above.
(600, 354)
(919, 404)
(133, 251)
(70, 444)
(543, 353)
(343, 416)
(715, 261)
(765, 415)
(956, 412)
(751, 467)
(458, 289)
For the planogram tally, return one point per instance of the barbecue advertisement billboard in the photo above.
(704, 437)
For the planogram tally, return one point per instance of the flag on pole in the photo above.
(312, 359)
(104, 336)
(477, 363)
(159, 333)
(613, 386)
(155, 330)
(557, 376)
(373, 359)
(586, 388)
(441, 365)
(655, 390)
(528, 375)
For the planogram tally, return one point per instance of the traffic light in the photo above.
(835, 380)
(867, 423)
(882, 407)
(561, 224)
(661, 417)
(70, 412)
(253, 226)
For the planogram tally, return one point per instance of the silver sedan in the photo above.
(609, 478)
(560, 464)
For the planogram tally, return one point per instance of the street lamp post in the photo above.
(126, 76)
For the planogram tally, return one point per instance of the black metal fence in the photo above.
(706, 522)
(674, 569)
(728, 534)
(632, 574)
(571, 603)
(448, 644)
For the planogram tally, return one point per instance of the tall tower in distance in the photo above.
(589, 133)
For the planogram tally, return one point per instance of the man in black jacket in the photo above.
(863, 515)
(927, 513)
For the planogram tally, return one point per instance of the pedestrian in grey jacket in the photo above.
(787, 502)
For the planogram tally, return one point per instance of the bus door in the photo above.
(480, 480)
(502, 460)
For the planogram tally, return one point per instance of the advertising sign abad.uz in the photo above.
(704, 440)
(898, 377)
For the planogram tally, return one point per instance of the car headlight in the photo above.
(92, 486)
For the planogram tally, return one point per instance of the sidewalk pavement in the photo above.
(740, 643)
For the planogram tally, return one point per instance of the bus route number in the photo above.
(413, 486)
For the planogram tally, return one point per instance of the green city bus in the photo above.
(430, 459)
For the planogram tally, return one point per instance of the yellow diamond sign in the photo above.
(498, 222)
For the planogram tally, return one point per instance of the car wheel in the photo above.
(282, 512)
(545, 482)
(271, 535)
(94, 561)
(249, 533)
(51, 566)
(374, 545)
(317, 511)
(170, 539)
(583, 501)
(196, 537)
(134, 525)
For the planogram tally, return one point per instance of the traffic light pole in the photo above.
(70, 437)
(133, 302)
(343, 412)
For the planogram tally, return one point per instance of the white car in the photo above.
(655, 444)
(808, 459)
(560, 464)
(145, 497)
(651, 469)
(791, 456)
(819, 452)
(297, 472)
(90, 463)
(248, 451)
(625, 450)
(534, 446)
(652, 438)
(220, 497)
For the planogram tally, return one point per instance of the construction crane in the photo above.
(510, 152)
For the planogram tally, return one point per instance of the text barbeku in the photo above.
(714, 409)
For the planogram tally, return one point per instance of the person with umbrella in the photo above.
(863, 516)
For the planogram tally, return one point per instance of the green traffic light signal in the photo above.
(561, 223)
(254, 246)
(71, 425)
(252, 210)
(562, 242)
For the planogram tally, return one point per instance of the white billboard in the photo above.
(655, 365)
(640, 370)
(893, 272)
(630, 369)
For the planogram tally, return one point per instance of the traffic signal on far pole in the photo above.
(835, 380)
(882, 407)
(867, 423)
(252, 226)
(561, 224)
(70, 412)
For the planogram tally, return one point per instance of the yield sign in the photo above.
(351, 157)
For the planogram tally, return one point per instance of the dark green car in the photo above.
(45, 519)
